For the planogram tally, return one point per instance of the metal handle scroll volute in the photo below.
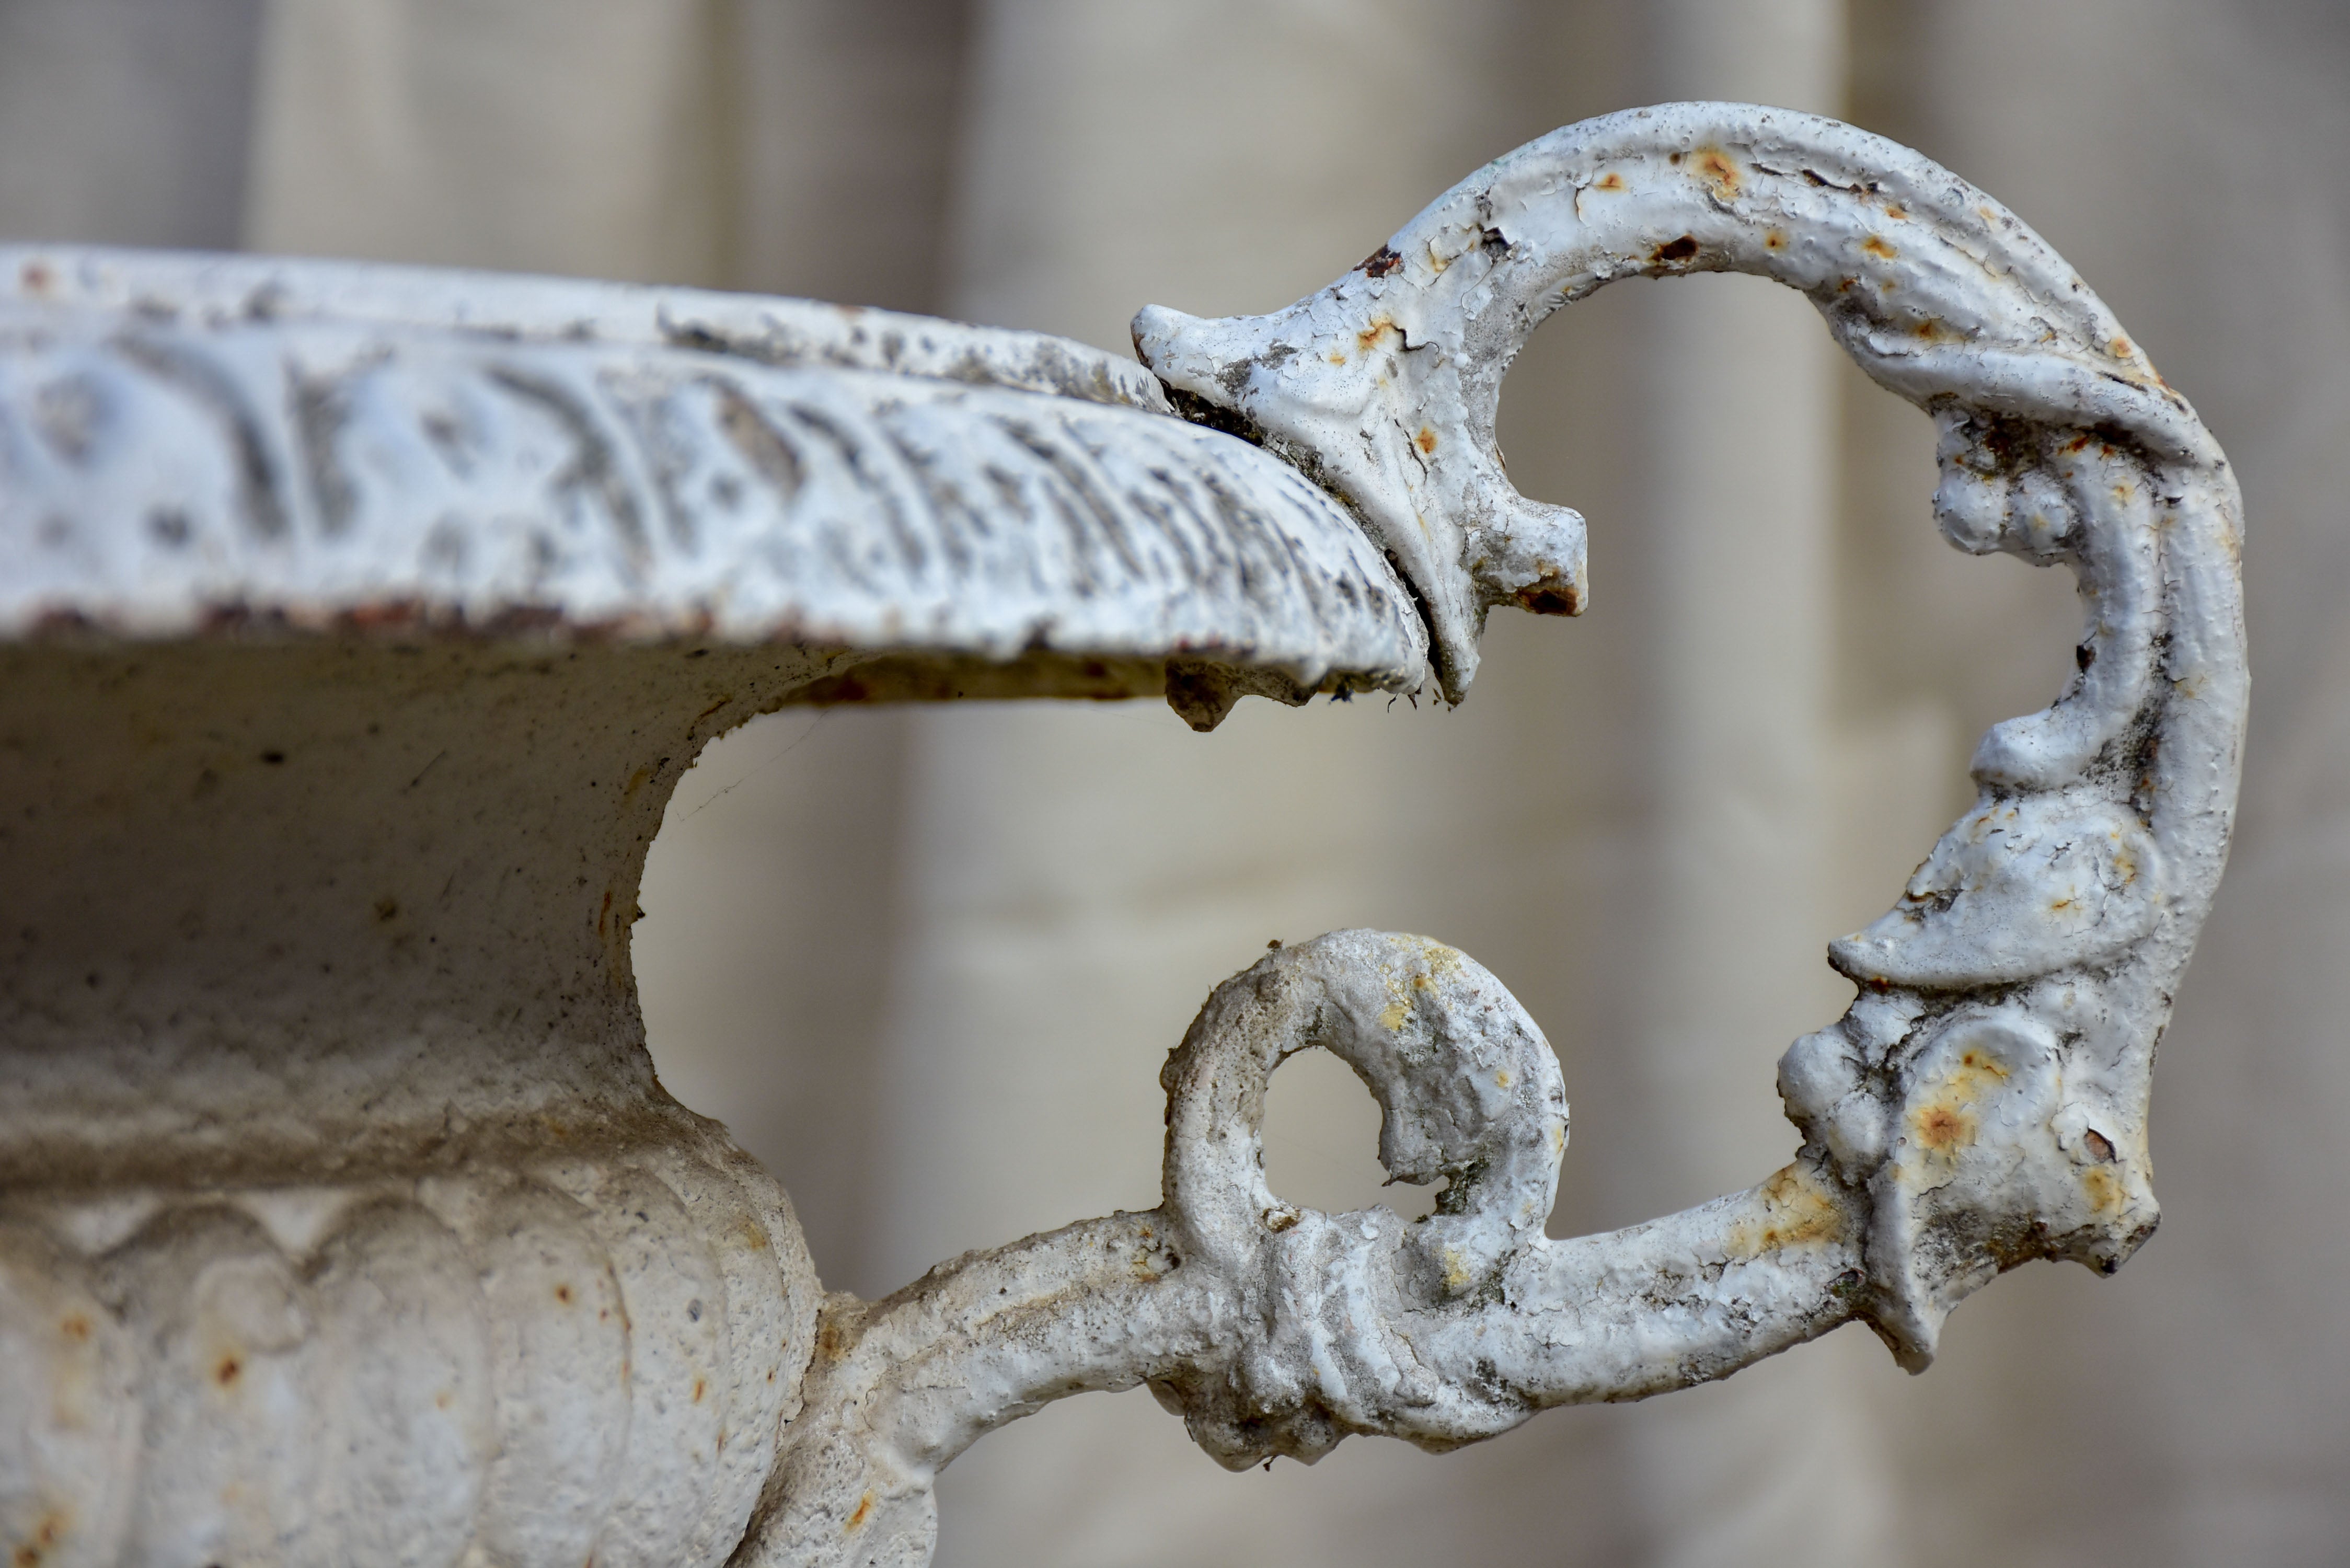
(1984, 1101)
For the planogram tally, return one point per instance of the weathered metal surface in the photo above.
(1987, 1091)
(1982, 1102)
(182, 441)
(361, 629)
(356, 624)
(342, 1218)
(567, 1358)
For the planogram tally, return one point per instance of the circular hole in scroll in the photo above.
(1322, 1141)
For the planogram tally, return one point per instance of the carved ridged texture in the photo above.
(163, 469)
(587, 1360)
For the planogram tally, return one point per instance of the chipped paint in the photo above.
(1982, 1102)
(409, 1263)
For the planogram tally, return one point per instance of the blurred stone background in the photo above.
(925, 963)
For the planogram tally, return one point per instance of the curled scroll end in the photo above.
(1356, 387)
(1335, 386)
(1470, 1093)
(1533, 558)
(1324, 385)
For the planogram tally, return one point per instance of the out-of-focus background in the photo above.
(926, 963)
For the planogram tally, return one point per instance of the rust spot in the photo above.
(1674, 160)
(864, 1512)
(1942, 1128)
(1794, 1210)
(1368, 338)
(383, 613)
(2122, 349)
(1550, 598)
(701, 1387)
(1679, 250)
(1425, 440)
(1774, 240)
(1877, 246)
(1721, 174)
(227, 1371)
(1897, 213)
(2101, 1147)
(2078, 443)
(563, 1294)
(444, 1399)
(1381, 262)
(1611, 180)
(1280, 1219)
(75, 1328)
(51, 1529)
(37, 277)
(1947, 1122)
(829, 1340)
(2105, 1189)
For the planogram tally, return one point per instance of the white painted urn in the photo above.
(357, 623)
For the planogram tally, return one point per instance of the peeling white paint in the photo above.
(360, 621)
(1983, 1102)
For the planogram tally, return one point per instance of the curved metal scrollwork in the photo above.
(417, 1243)
(1983, 1102)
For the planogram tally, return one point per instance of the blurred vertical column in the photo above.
(569, 136)
(1732, 570)
(848, 114)
(1734, 578)
(124, 121)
